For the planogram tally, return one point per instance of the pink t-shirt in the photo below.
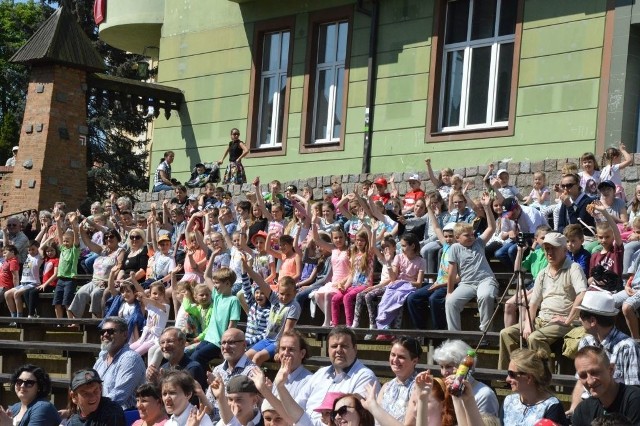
(140, 422)
(340, 264)
(408, 269)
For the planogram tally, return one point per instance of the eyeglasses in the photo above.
(231, 342)
(25, 383)
(341, 411)
(135, 237)
(109, 331)
(514, 374)
(567, 185)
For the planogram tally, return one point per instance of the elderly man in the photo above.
(172, 344)
(345, 374)
(558, 292)
(293, 347)
(598, 316)
(11, 161)
(13, 235)
(233, 347)
(595, 372)
(93, 407)
(122, 370)
(448, 356)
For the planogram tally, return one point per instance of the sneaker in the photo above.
(368, 337)
(312, 308)
(355, 324)
(13, 324)
(384, 338)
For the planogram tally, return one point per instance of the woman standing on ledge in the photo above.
(237, 150)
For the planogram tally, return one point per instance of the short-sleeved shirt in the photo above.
(517, 413)
(555, 295)
(473, 266)
(31, 270)
(610, 261)
(582, 258)
(443, 269)
(6, 272)
(226, 308)
(622, 351)
(68, 264)
(535, 262)
(408, 269)
(412, 196)
(279, 315)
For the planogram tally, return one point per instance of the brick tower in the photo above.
(51, 161)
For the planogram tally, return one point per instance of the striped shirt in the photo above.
(258, 316)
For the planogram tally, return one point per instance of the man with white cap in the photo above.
(558, 291)
(598, 316)
(12, 160)
(526, 219)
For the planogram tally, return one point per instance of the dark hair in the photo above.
(13, 249)
(113, 232)
(181, 188)
(601, 320)
(166, 154)
(366, 418)
(181, 379)
(42, 379)
(343, 330)
(52, 246)
(590, 156)
(148, 389)
(120, 322)
(286, 239)
(301, 342)
(611, 419)
(411, 240)
(244, 205)
(410, 344)
(33, 243)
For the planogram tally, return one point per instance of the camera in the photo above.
(524, 239)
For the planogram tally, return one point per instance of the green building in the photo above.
(322, 87)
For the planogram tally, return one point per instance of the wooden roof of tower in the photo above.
(60, 40)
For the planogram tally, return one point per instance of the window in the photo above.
(476, 65)
(273, 85)
(269, 98)
(329, 82)
(325, 90)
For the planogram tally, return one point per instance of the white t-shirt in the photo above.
(31, 270)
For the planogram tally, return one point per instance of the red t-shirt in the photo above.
(610, 261)
(384, 198)
(49, 267)
(6, 272)
(411, 197)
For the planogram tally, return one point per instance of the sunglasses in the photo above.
(341, 411)
(109, 236)
(25, 383)
(514, 374)
(109, 331)
(567, 185)
(135, 237)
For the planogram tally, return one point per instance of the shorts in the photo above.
(64, 292)
(621, 297)
(25, 286)
(267, 345)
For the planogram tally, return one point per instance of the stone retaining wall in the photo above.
(521, 175)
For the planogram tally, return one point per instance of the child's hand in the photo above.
(622, 147)
(485, 200)
(491, 167)
(424, 382)
(427, 161)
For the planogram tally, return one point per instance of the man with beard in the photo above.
(172, 344)
(122, 370)
(595, 373)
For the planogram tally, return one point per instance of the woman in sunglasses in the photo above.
(529, 377)
(110, 257)
(137, 257)
(348, 411)
(32, 386)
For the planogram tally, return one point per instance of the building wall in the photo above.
(205, 51)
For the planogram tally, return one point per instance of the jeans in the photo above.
(507, 254)
(163, 187)
(204, 353)
(422, 298)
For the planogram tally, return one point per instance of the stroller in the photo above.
(211, 174)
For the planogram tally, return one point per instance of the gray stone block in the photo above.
(460, 172)
(513, 168)
(631, 173)
(550, 165)
(471, 171)
(525, 167)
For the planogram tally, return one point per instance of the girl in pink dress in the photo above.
(340, 264)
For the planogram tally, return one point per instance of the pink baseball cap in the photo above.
(329, 399)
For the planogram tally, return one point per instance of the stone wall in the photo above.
(521, 175)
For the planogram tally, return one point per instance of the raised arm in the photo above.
(342, 205)
(255, 277)
(432, 176)
(316, 236)
(433, 221)
(260, 200)
(87, 241)
(611, 221)
(485, 200)
(627, 158)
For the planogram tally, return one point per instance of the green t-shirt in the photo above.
(68, 264)
(225, 309)
(535, 262)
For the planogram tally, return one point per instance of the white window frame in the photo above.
(279, 74)
(467, 47)
(334, 67)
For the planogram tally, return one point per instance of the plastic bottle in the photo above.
(457, 387)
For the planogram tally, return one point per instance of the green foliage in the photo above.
(9, 134)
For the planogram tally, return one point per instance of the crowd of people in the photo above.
(204, 259)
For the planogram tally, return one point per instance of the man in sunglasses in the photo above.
(122, 369)
(13, 235)
(93, 407)
(574, 205)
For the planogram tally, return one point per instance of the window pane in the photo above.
(452, 88)
(479, 85)
(327, 43)
(342, 41)
(508, 14)
(503, 82)
(484, 19)
(271, 52)
(337, 118)
(281, 98)
(322, 104)
(284, 50)
(266, 110)
(457, 21)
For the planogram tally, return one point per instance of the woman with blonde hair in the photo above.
(529, 377)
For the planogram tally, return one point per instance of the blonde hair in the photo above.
(461, 227)
(570, 169)
(535, 364)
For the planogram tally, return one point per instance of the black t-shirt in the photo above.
(108, 414)
(627, 403)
